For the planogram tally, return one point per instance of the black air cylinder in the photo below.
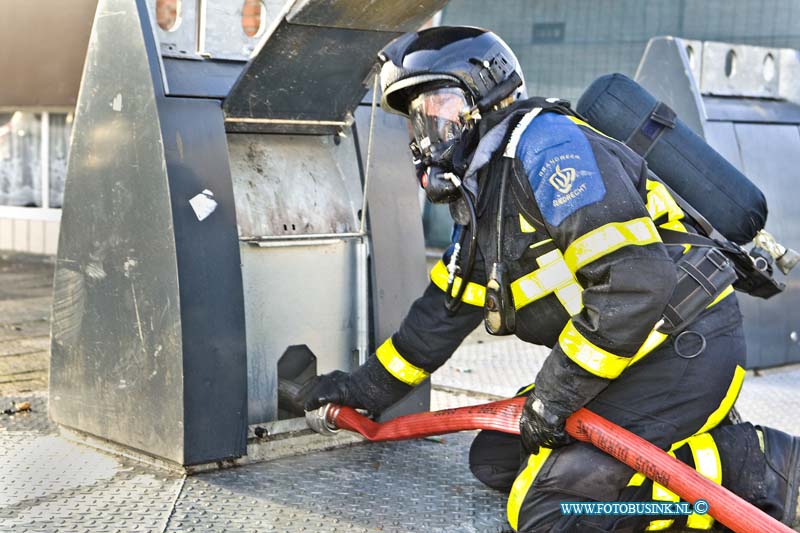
(617, 106)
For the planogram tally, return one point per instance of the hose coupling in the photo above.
(319, 419)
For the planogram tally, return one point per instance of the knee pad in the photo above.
(495, 458)
(577, 472)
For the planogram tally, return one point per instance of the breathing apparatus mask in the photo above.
(442, 140)
(443, 122)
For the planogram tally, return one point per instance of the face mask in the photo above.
(438, 134)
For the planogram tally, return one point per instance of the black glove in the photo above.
(539, 426)
(335, 387)
(368, 387)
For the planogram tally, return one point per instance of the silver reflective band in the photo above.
(519, 129)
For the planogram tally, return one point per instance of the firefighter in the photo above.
(557, 241)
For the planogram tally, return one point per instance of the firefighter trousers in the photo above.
(678, 397)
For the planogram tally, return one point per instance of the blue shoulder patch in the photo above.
(560, 166)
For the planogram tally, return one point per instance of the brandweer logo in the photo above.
(562, 180)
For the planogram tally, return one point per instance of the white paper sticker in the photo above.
(203, 204)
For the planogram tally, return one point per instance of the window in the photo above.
(168, 14)
(21, 163)
(548, 32)
(59, 136)
(253, 14)
(34, 148)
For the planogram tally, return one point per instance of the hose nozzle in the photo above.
(319, 419)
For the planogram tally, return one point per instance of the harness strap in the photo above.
(650, 130)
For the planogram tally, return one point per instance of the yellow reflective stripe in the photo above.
(660, 202)
(610, 238)
(523, 483)
(525, 226)
(637, 480)
(662, 494)
(674, 225)
(719, 414)
(599, 361)
(580, 122)
(397, 366)
(525, 389)
(728, 290)
(553, 275)
(590, 357)
(568, 293)
(571, 297)
(474, 294)
(706, 456)
(538, 244)
(707, 463)
(727, 402)
(653, 341)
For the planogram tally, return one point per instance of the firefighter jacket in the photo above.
(590, 274)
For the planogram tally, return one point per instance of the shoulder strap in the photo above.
(701, 221)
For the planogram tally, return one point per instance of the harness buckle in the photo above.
(718, 259)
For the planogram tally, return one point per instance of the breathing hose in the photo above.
(453, 303)
(583, 425)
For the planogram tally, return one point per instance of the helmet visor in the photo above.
(436, 116)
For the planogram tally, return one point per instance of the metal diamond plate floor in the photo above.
(50, 484)
(413, 486)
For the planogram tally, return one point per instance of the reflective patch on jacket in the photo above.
(560, 166)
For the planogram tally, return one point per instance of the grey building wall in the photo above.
(565, 44)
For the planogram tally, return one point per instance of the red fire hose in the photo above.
(584, 425)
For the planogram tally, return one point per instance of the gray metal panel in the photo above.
(116, 358)
(397, 243)
(295, 294)
(771, 157)
(306, 73)
(666, 58)
(751, 110)
(289, 185)
(222, 34)
(212, 305)
(398, 248)
(181, 39)
(312, 64)
(285, 126)
(377, 15)
(789, 88)
(207, 78)
(740, 70)
(148, 345)
(722, 137)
